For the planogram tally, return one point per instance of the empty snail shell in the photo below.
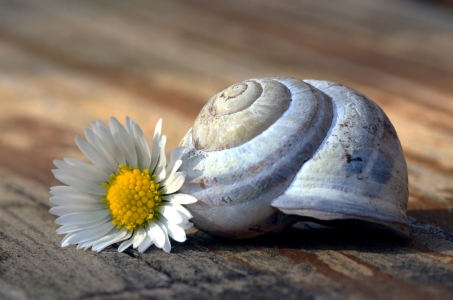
(265, 152)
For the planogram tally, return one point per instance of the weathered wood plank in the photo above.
(66, 63)
(309, 260)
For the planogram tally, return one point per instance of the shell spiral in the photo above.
(264, 152)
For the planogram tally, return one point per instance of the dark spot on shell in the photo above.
(256, 228)
(212, 110)
(227, 199)
(349, 158)
(197, 143)
(333, 84)
(389, 129)
(202, 185)
(356, 162)
(382, 169)
(254, 169)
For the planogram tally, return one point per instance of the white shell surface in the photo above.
(358, 172)
(331, 154)
(235, 186)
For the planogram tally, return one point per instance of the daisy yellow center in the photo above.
(132, 197)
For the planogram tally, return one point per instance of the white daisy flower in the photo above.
(128, 195)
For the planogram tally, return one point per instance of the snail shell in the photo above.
(265, 152)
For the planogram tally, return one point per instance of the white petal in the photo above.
(177, 233)
(139, 237)
(95, 128)
(86, 245)
(147, 242)
(87, 171)
(174, 231)
(118, 145)
(175, 156)
(180, 198)
(144, 155)
(106, 135)
(139, 140)
(102, 148)
(91, 242)
(81, 184)
(176, 166)
(64, 242)
(87, 167)
(91, 233)
(167, 246)
(157, 234)
(70, 193)
(129, 242)
(186, 226)
(75, 228)
(126, 244)
(83, 206)
(172, 214)
(129, 123)
(93, 155)
(173, 183)
(61, 210)
(180, 209)
(160, 168)
(115, 237)
(156, 150)
(171, 177)
(124, 141)
(68, 229)
(81, 218)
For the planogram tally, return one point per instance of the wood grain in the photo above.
(66, 63)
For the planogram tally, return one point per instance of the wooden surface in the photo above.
(66, 63)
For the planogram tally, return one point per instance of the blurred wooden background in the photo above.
(66, 63)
